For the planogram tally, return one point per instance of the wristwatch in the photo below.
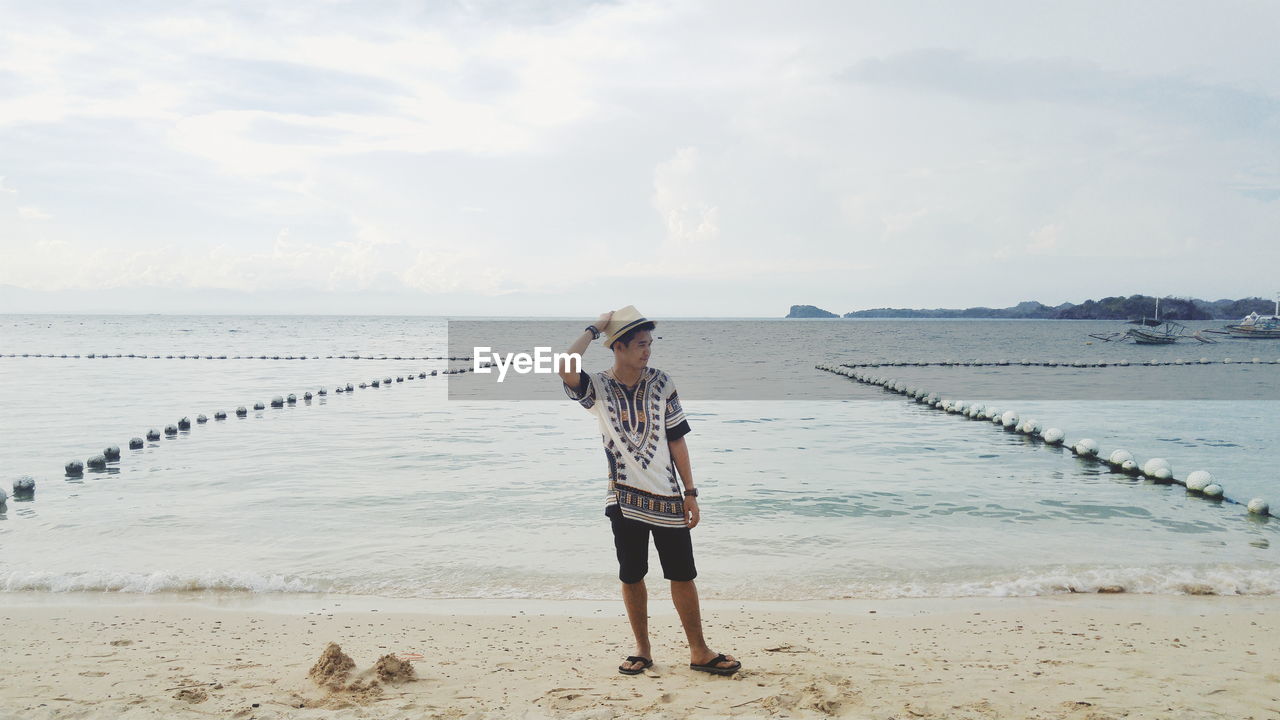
(595, 332)
(691, 493)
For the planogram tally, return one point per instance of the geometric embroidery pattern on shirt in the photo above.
(636, 413)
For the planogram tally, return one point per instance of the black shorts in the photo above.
(631, 539)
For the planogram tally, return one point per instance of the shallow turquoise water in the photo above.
(411, 491)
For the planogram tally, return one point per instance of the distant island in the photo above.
(1108, 308)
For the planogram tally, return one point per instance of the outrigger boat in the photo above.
(1153, 331)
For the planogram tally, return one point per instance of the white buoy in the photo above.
(1009, 419)
(74, 468)
(1119, 457)
(1149, 467)
(1086, 447)
(24, 485)
(111, 452)
(170, 429)
(241, 411)
(135, 443)
(1054, 436)
(1199, 480)
(1258, 506)
(1129, 466)
(258, 406)
(276, 402)
(1213, 490)
(1163, 474)
(153, 434)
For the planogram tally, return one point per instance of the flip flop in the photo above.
(712, 666)
(636, 671)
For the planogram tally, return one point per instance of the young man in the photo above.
(643, 428)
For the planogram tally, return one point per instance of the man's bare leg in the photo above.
(636, 598)
(685, 596)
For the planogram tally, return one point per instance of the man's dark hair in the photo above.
(626, 337)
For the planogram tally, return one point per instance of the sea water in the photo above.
(413, 490)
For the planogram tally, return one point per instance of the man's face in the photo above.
(635, 355)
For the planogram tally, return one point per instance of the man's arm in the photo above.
(579, 346)
(680, 455)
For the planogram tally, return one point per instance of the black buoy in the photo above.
(184, 424)
(433, 373)
(97, 462)
(349, 388)
(135, 443)
(23, 488)
(241, 412)
(421, 375)
(375, 383)
(111, 453)
(201, 419)
(75, 468)
(220, 415)
(170, 430)
(153, 434)
(276, 402)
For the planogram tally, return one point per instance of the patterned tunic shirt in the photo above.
(635, 424)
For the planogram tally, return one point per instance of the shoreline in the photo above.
(84, 655)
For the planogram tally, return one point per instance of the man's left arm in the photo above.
(680, 456)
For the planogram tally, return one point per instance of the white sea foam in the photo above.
(1168, 580)
(156, 582)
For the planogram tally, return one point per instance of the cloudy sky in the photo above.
(691, 158)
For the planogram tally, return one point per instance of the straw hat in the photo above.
(622, 321)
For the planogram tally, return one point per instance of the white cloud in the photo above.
(28, 212)
(691, 221)
(491, 149)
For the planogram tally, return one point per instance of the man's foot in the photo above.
(635, 665)
(715, 663)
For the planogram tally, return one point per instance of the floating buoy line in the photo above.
(1159, 470)
(143, 356)
(1154, 362)
(24, 487)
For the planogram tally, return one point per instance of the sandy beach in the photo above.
(1081, 656)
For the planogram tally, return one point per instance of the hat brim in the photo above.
(625, 329)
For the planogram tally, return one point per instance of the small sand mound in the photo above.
(332, 668)
(191, 695)
(393, 671)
